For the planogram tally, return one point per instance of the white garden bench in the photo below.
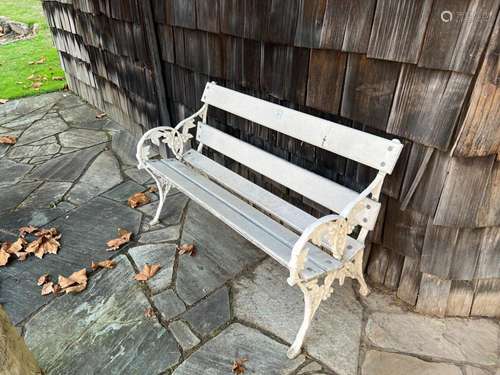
(311, 249)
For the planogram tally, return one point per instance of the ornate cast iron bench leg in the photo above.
(164, 187)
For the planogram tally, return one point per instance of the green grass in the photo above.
(15, 57)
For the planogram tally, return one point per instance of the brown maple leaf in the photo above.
(124, 237)
(187, 248)
(100, 115)
(153, 189)
(47, 242)
(138, 199)
(4, 257)
(21, 255)
(108, 263)
(8, 140)
(74, 283)
(27, 230)
(43, 279)
(239, 366)
(147, 272)
(36, 85)
(57, 78)
(15, 246)
(47, 288)
(149, 312)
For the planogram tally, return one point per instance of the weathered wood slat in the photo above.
(379, 261)
(398, 29)
(479, 135)
(433, 295)
(409, 281)
(207, 15)
(310, 23)
(394, 268)
(256, 17)
(357, 30)
(326, 74)
(414, 113)
(450, 253)
(489, 211)
(488, 264)
(486, 298)
(282, 21)
(368, 90)
(457, 34)
(241, 60)
(424, 179)
(334, 24)
(404, 231)
(185, 13)
(460, 298)
(460, 202)
(284, 72)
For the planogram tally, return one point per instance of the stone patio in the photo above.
(229, 301)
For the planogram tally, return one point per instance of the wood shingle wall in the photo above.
(423, 71)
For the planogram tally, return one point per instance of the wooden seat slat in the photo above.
(292, 216)
(276, 240)
(317, 188)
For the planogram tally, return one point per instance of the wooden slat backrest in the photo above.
(315, 187)
(368, 149)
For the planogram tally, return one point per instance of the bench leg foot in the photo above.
(358, 274)
(163, 188)
(313, 295)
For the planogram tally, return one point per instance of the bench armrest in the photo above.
(175, 138)
(330, 231)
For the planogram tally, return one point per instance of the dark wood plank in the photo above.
(256, 18)
(460, 298)
(404, 231)
(326, 74)
(232, 17)
(310, 23)
(207, 15)
(375, 235)
(479, 135)
(488, 265)
(461, 199)
(180, 55)
(357, 30)
(195, 50)
(334, 24)
(433, 295)
(486, 298)
(368, 90)
(398, 29)
(185, 13)
(284, 72)
(241, 60)
(393, 182)
(414, 113)
(282, 21)
(377, 264)
(409, 281)
(424, 179)
(457, 34)
(166, 42)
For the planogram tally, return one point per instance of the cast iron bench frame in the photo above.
(311, 249)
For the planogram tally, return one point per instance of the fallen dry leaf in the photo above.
(238, 366)
(100, 115)
(47, 242)
(138, 199)
(147, 272)
(108, 263)
(187, 248)
(27, 230)
(21, 255)
(3, 101)
(43, 279)
(4, 257)
(36, 85)
(8, 139)
(124, 237)
(15, 246)
(38, 62)
(74, 283)
(57, 78)
(47, 288)
(149, 312)
(153, 189)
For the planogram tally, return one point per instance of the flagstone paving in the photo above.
(229, 301)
